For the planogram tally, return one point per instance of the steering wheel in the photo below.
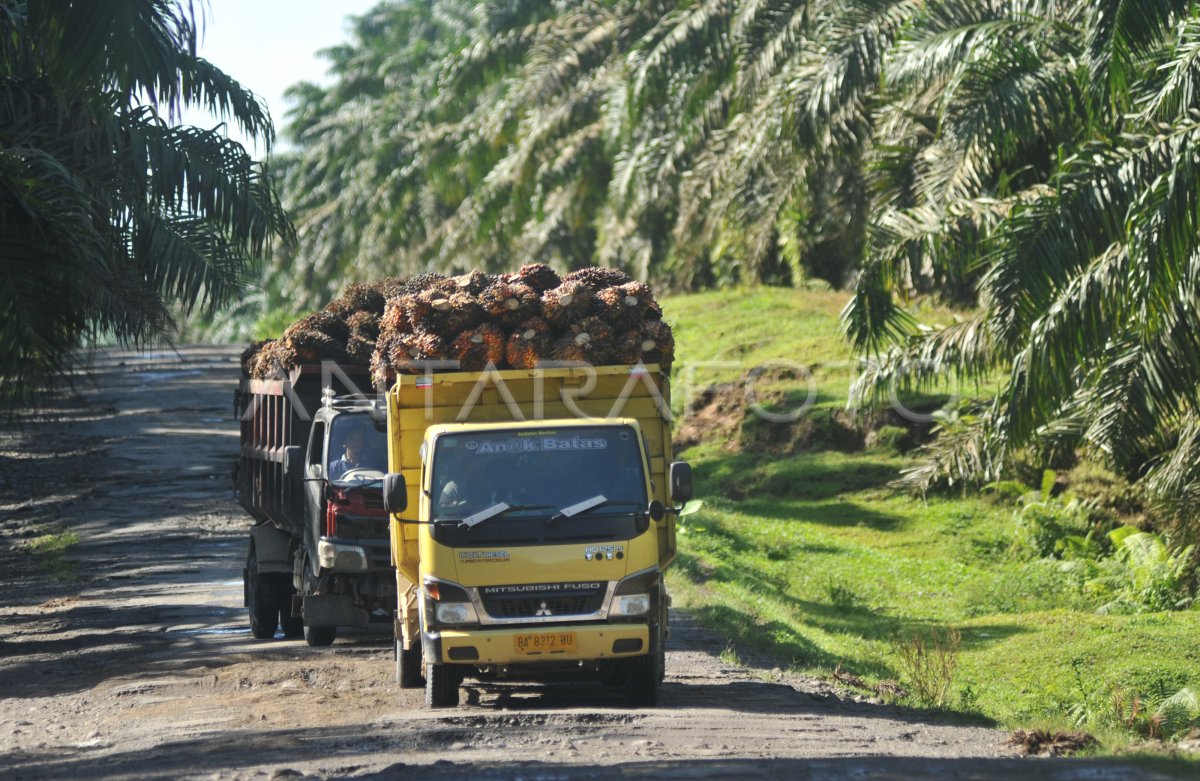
(361, 473)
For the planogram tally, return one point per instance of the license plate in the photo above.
(545, 643)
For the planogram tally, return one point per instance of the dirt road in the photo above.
(132, 659)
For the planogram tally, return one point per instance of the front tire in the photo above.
(645, 679)
(441, 686)
(319, 636)
(408, 666)
(260, 602)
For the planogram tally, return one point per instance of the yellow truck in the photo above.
(532, 517)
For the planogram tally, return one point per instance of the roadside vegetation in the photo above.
(1033, 162)
(115, 219)
(1037, 602)
(51, 551)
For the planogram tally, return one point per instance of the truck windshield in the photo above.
(357, 450)
(520, 482)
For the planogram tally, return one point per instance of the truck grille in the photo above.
(372, 499)
(567, 600)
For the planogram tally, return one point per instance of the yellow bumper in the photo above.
(500, 646)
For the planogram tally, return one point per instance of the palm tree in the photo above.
(1087, 253)
(634, 133)
(111, 217)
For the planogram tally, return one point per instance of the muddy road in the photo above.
(129, 655)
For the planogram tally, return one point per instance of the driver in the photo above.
(467, 492)
(352, 454)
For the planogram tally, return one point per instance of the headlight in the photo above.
(456, 613)
(334, 555)
(630, 605)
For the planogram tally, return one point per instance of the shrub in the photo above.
(1143, 574)
(894, 439)
(1104, 490)
(929, 664)
(1045, 522)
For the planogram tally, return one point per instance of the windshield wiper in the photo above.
(496, 510)
(586, 506)
(577, 508)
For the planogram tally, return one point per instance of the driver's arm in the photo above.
(449, 496)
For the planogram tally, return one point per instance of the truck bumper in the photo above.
(591, 642)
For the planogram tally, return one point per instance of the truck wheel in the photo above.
(408, 666)
(645, 678)
(293, 626)
(441, 686)
(264, 614)
(318, 636)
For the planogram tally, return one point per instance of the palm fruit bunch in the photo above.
(596, 278)
(658, 343)
(568, 303)
(474, 282)
(629, 305)
(596, 315)
(508, 304)
(272, 360)
(528, 344)
(319, 337)
(363, 298)
(431, 308)
(345, 332)
(539, 277)
(477, 348)
(249, 355)
(589, 341)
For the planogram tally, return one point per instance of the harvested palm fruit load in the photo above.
(594, 315)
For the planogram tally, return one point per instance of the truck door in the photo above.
(314, 489)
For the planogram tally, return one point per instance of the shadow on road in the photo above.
(340, 748)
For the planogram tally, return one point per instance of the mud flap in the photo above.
(408, 623)
(333, 610)
(272, 548)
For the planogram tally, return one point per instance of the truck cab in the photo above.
(534, 549)
(342, 572)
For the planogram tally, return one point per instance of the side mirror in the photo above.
(656, 511)
(293, 462)
(681, 482)
(395, 493)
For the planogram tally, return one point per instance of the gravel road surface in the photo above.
(132, 658)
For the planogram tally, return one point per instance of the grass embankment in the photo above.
(803, 551)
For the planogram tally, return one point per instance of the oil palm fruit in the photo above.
(478, 347)
(598, 277)
(568, 303)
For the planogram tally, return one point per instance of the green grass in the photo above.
(51, 550)
(807, 554)
(722, 334)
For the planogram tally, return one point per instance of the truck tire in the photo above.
(647, 673)
(260, 601)
(644, 681)
(293, 626)
(408, 666)
(441, 686)
(319, 636)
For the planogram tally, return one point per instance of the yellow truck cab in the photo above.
(532, 517)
